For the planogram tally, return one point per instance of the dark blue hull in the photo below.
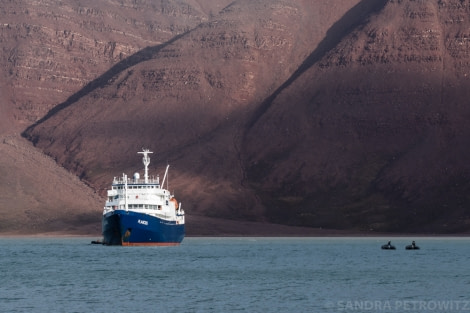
(129, 228)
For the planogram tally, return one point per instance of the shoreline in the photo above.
(325, 235)
(202, 226)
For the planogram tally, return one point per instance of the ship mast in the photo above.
(146, 161)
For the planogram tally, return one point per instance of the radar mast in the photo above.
(146, 161)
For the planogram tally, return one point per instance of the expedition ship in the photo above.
(141, 212)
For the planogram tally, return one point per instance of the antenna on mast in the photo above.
(146, 161)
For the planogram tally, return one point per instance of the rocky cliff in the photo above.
(380, 136)
(52, 50)
(345, 114)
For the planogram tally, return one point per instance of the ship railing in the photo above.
(130, 181)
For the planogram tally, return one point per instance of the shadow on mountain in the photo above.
(138, 57)
(351, 20)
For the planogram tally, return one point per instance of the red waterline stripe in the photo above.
(150, 243)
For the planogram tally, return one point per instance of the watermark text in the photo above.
(418, 306)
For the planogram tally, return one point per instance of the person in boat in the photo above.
(388, 246)
(413, 246)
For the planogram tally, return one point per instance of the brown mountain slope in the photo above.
(348, 116)
(53, 48)
(380, 138)
(53, 201)
(186, 100)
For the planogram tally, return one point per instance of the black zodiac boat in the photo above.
(388, 246)
(413, 246)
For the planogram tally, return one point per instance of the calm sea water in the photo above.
(236, 275)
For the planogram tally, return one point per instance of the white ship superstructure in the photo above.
(139, 206)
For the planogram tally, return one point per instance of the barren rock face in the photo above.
(52, 49)
(188, 100)
(337, 114)
(377, 141)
